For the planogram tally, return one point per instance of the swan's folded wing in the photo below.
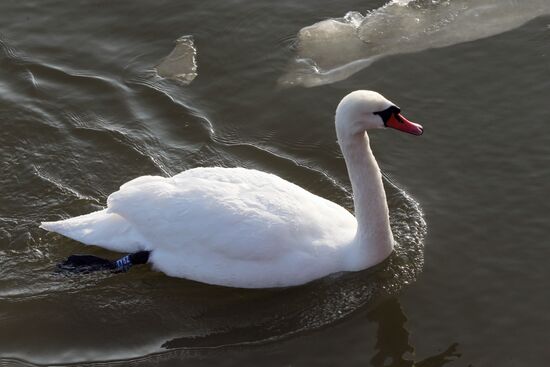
(227, 213)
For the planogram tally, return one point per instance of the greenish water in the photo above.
(82, 111)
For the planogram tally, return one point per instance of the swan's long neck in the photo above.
(374, 240)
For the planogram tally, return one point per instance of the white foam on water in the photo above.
(334, 49)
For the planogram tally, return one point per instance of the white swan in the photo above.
(245, 228)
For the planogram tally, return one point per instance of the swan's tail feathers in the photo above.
(101, 228)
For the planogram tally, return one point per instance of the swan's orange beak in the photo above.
(399, 122)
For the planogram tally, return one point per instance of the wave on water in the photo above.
(334, 49)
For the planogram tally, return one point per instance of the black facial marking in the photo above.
(388, 112)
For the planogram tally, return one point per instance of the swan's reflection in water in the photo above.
(393, 348)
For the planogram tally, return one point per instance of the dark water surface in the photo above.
(82, 111)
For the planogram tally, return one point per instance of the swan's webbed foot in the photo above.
(90, 263)
(85, 264)
(125, 263)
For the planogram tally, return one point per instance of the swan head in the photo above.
(363, 110)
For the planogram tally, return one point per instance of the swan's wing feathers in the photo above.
(231, 213)
(161, 211)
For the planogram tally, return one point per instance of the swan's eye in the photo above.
(387, 113)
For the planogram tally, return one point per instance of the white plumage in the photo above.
(240, 227)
